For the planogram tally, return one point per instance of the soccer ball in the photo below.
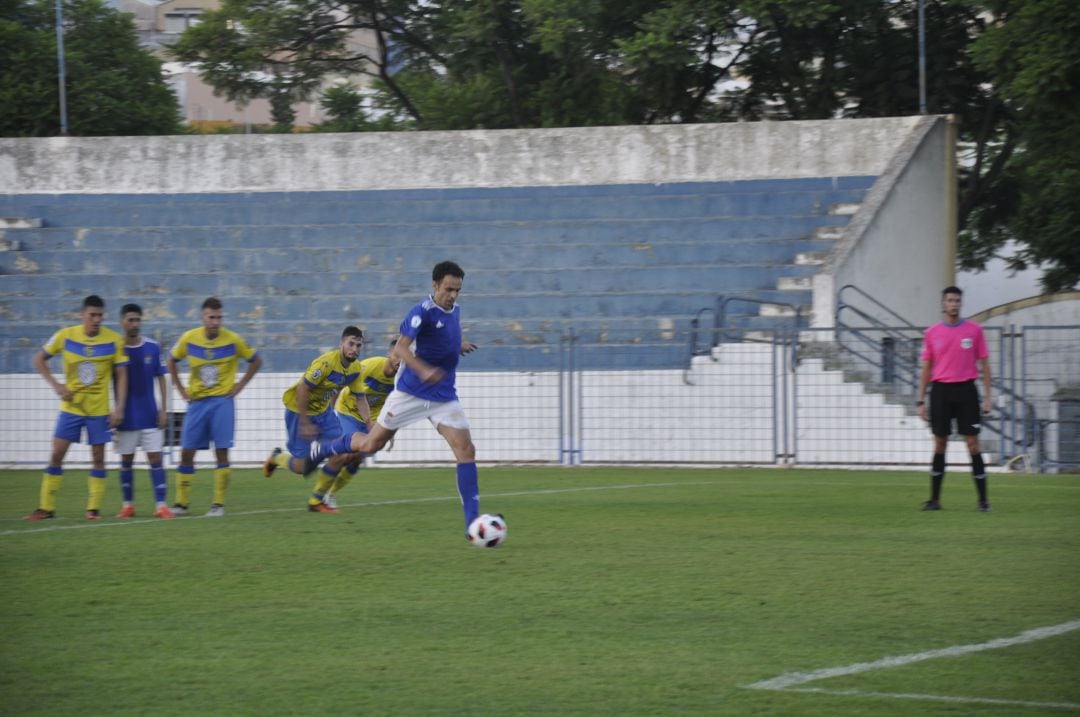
(487, 531)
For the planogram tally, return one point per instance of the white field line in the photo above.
(52, 527)
(937, 698)
(788, 682)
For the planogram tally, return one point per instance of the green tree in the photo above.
(1032, 55)
(113, 86)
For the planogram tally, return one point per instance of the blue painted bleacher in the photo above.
(293, 268)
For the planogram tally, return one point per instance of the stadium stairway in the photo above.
(624, 265)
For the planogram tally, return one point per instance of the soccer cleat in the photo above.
(128, 511)
(931, 505)
(322, 508)
(164, 512)
(330, 501)
(268, 465)
(984, 507)
(40, 514)
(93, 515)
(319, 452)
(178, 509)
(217, 510)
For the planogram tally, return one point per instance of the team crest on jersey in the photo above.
(208, 374)
(88, 350)
(148, 360)
(209, 354)
(966, 343)
(317, 374)
(87, 372)
(415, 322)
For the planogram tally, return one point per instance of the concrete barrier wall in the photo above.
(480, 158)
(900, 245)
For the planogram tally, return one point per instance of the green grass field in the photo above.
(620, 591)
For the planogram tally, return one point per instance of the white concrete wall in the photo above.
(481, 158)
(723, 410)
(898, 246)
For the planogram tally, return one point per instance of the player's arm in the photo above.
(307, 429)
(984, 369)
(467, 347)
(163, 407)
(40, 359)
(175, 373)
(920, 394)
(426, 372)
(121, 388)
(252, 368)
(363, 408)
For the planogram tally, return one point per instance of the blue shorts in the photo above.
(69, 427)
(209, 419)
(326, 422)
(351, 424)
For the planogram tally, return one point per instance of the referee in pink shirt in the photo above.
(954, 355)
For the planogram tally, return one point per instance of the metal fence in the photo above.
(599, 394)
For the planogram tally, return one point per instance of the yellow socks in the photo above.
(96, 486)
(51, 480)
(221, 483)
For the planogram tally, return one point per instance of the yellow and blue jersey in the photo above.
(375, 386)
(325, 377)
(212, 361)
(88, 367)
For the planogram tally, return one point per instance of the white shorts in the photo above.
(151, 440)
(403, 409)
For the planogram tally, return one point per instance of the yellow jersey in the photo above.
(374, 387)
(212, 361)
(326, 375)
(88, 367)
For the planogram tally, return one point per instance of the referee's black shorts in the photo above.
(959, 401)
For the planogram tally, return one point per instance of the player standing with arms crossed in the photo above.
(954, 355)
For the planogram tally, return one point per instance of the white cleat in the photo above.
(330, 501)
(216, 511)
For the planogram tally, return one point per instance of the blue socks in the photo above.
(468, 486)
(341, 444)
(127, 482)
(157, 477)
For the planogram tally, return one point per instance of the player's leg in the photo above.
(223, 431)
(940, 421)
(400, 410)
(967, 425)
(98, 434)
(353, 462)
(451, 423)
(64, 434)
(126, 443)
(194, 436)
(153, 442)
(329, 429)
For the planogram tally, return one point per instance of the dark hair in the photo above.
(212, 303)
(393, 342)
(952, 290)
(93, 300)
(446, 268)
(352, 331)
(130, 309)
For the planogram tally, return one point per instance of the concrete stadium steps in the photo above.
(745, 198)
(293, 268)
(463, 235)
(358, 257)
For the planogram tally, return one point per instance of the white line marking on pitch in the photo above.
(368, 504)
(788, 682)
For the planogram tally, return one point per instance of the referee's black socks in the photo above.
(978, 472)
(937, 475)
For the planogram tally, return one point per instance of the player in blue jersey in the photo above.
(92, 354)
(212, 353)
(426, 386)
(144, 418)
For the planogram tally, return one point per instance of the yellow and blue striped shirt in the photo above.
(326, 375)
(88, 367)
(374, 387)
(213, 361)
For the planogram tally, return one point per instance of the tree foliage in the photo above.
(1006, 69)
(113, 86)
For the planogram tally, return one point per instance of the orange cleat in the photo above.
(93, 515)
(164, 512)
(322, 508)
(269, 466)
(128, 511)
(40, 514)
